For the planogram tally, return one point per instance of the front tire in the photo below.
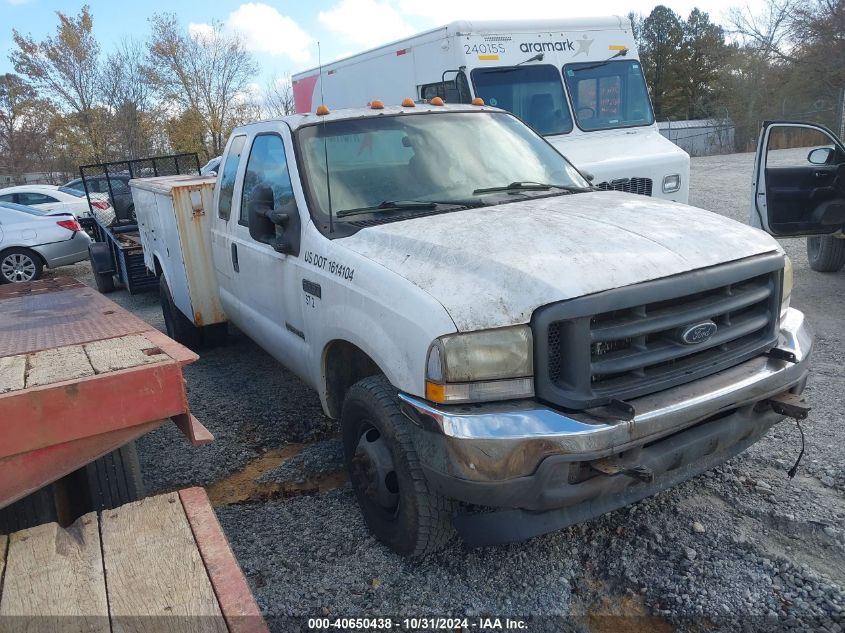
(825, 253)
(398, 505)
(20, 264)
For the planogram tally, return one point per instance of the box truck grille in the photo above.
(640, 186)
(586, 358)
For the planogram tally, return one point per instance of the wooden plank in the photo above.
(154, 568)
(123, 352)
(54, 579)
(12, 373)
(233, 594)
(57, 365)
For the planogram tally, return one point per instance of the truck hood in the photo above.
(493, 266)
(609, 154)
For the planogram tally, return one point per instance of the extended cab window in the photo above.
(608, 94)
(227, 178)
(267, 165)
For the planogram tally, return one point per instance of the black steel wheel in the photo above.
(398, 505)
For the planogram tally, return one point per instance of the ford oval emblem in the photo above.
(698, 332)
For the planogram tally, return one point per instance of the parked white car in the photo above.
(53, 198)
(33, 238)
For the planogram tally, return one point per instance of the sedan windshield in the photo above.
(608, 94)
(533, 93)
(405, 164)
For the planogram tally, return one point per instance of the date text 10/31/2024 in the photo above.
(481, 624)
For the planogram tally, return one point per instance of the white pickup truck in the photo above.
(508, 351)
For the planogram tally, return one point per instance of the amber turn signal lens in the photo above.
(322, 109)
(478, 101)
(375, 104)
(437, 101)
(435, 392)
(407, 102)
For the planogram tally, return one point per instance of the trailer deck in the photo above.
(159, 564)
(79, 377)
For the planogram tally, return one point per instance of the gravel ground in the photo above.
(741, 547)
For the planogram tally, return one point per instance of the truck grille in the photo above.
(627, 342)
(640, 186)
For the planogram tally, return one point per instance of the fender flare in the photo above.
(100, 255)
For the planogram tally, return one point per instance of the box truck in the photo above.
(578, 82)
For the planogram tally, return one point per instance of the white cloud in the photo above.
(265, 30)
(200, 30)
(367, 22)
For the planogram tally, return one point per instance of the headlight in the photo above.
(671, 183)
(788, 282)
(481, 366)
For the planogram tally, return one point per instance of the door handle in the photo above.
(235, 258)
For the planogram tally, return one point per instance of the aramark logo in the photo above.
(541, 47)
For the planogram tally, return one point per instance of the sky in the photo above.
(283, 35)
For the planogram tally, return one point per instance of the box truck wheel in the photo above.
(398, 506)
(179, 328)
(826, 253)
(105, 483)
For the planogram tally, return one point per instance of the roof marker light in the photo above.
(375, 104)
(322, 109)
(478, 101)
(407, 102)
(437, 101)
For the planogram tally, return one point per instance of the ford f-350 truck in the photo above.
(508, 350)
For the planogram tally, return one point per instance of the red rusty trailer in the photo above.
(80, 377)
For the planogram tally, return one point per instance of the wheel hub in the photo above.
(18, 267)
(374, 473)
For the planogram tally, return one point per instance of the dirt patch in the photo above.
(243, 486)
(623, 614)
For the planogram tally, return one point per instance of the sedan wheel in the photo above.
(19, 265)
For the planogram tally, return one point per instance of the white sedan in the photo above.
(33, 238)
(53, 198)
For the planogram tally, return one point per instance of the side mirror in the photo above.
(820, 156)
(264, 218)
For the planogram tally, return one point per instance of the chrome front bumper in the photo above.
(497, 442)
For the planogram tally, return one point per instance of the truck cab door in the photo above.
(266, 276)
(799, 180)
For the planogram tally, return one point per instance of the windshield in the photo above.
(72, 191)
(608, 94)
(427, 158)
(533, 93)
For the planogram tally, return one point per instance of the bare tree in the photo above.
(206, 73)
(130, 95)
(767, 32)
(277, 98)
(67, 67)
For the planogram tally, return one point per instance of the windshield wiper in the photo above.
(406, 205)
(527, 186)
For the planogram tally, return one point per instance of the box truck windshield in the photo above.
(533, 93)
(608, 95)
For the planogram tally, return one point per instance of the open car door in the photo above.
(799, 180)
